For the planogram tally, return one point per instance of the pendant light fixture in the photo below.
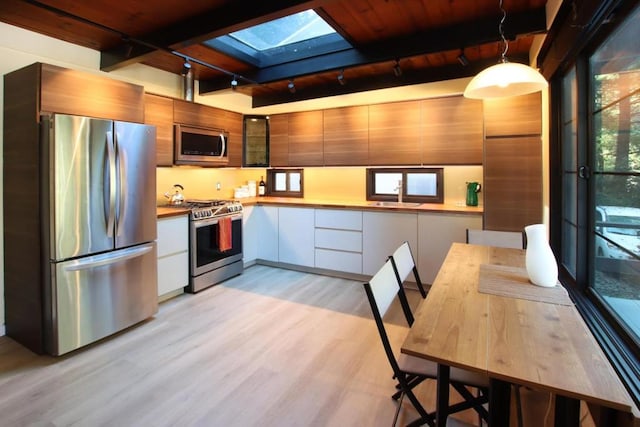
(505, 78)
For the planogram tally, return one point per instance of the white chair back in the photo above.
(404, 261)
(384, 287)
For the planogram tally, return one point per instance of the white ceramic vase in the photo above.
(541, 264)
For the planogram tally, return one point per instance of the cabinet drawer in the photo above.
(339, 219)
(173, 235)
(343, 240)
(173, 273)
(349, 262)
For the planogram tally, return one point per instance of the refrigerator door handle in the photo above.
(121, 212)
(107, 259)
(111, 158)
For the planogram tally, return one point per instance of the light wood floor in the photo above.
(271, 347)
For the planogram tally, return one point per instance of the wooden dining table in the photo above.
(482, 314)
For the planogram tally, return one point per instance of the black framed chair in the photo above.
(410, 371)
(404, 264)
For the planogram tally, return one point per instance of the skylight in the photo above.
(302, 35)
(290, 29)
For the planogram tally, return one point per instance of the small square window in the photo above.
(285, 182)
(419, 185)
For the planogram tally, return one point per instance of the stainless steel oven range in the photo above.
(215, 242)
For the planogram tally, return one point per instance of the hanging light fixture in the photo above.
(505, 78)
(234, 83)
(291, 86)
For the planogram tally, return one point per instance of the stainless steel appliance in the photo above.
(199, 146)
(209, 263)
(99, 218)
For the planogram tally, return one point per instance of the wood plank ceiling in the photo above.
(426, 37)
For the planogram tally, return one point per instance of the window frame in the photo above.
(271, 175)
(619, 346)
(373, 196)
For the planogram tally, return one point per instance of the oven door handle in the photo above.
(211, 221)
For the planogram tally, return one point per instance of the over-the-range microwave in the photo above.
(200, 146)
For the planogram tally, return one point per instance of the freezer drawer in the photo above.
(96, 296)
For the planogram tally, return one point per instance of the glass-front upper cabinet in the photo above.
(256, 141)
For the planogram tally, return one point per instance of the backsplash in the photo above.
(328, 183)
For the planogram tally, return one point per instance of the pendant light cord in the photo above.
(503, 58)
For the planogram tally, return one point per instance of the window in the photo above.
(597, 207)
(289, 38)
(285, 182)
(420, 185)
(614, 76)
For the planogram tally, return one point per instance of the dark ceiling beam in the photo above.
(409, 77)
(450, 38)
(230, 17)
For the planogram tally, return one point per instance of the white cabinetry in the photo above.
(436, 233)
(338, 240)
(267, 219)
(382, 233)
(296, 237)
(173, 254)
(250, 230)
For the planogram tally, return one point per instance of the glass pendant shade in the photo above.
(503, 80)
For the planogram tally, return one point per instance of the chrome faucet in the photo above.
(399, 188)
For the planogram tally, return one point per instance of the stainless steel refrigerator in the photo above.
(99, 199)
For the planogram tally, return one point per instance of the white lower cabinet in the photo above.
(351, 241)
(173, 254)
(338, 240)
(250, 230)
(436, 233)
(267, 219)
(382, 233)
(296, 236)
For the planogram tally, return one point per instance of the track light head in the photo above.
(341, 78)
(397, 71)
(291, 86)
(462, 59)
(186, 67)
(234, 83)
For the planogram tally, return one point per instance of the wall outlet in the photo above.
(218, 186)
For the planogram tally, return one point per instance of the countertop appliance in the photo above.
(99, 217)
(211, 259)
(200, 146)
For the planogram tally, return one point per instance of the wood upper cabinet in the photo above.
(451, 131)
(394, 133)
(69, 91)
(518, 115)
(305, 138)
(346, 136)
(158, 111)
(232, 123)
(512, 182)
(279, 140)
(190, 113)
(513, 162)
(199, 115)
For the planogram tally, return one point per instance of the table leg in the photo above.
(442, 395)
(499, 403)
(567, 412)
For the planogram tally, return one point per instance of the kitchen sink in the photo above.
(395, 204)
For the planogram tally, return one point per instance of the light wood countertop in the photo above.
(361, 205)
(169, 211)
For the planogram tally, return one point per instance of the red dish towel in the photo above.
(224, 234)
